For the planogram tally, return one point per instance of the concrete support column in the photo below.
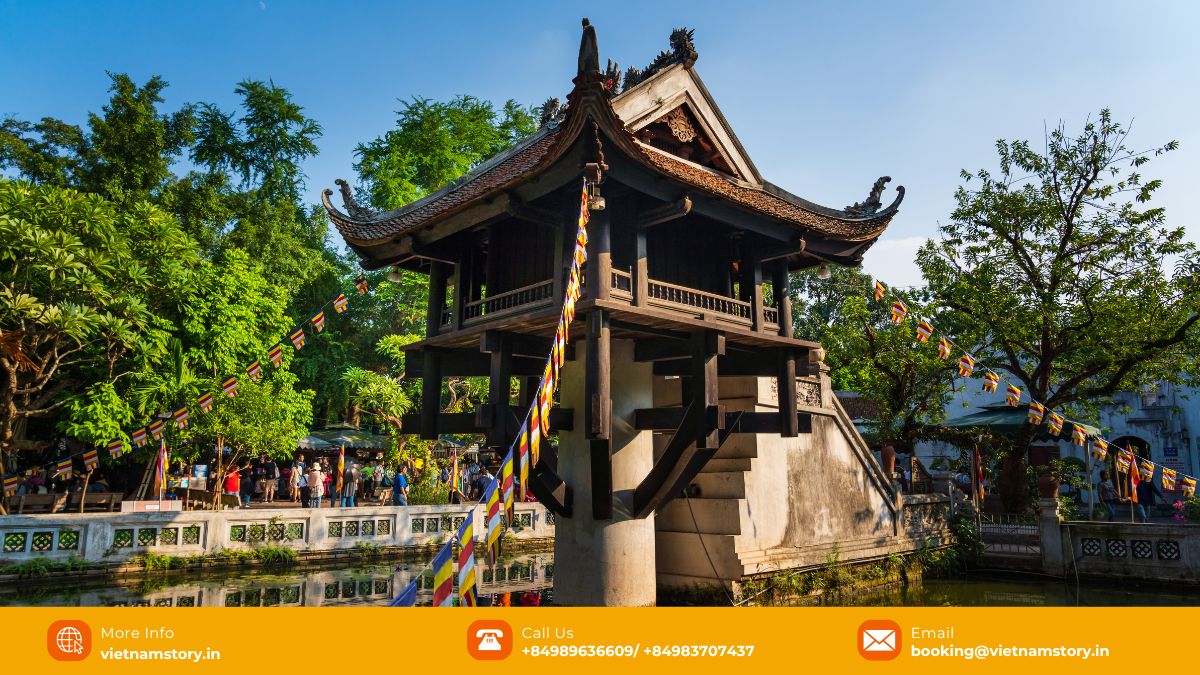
(606, 562)
(1053, 561)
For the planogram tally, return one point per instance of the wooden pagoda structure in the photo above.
(688, 259)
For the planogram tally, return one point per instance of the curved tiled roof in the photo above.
(496, 174)
(839, 224)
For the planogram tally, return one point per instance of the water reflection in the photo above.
(521, 580)
(1014, 593)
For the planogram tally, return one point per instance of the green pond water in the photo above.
(522, 580)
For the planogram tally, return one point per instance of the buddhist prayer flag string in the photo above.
(206, 401)
(1125, 461)
(90, 460)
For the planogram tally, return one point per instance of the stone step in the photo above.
(720, 484)
(710, 516)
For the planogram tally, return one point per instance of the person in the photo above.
(294, 478)
(400, 487)
(328, 487)
(349, 485)
(1147, 494)
(247, 483)
(384, 478)
(233, 481)
(271, 478)
(482, 478)
(368, 480)
(316, 486)
(1108, 495)
(305, 491)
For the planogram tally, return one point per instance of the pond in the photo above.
(520, 580)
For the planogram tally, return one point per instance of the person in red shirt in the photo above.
(233, 483)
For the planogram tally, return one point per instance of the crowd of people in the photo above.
(310, 483)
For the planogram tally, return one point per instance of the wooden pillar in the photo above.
(462, 288)
(599, 262)
(788, 424)
(437, 298)
(706, 347)
(431, 393)
(783, 297)
(491, 263)
(499, 347)
(597, 378)
(751, 283)
(641, 268)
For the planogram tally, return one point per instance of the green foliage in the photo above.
(268, 417)
(275, 555)
(1057, 261)
(366, 549)
(435, 142)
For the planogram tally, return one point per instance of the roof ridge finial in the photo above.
(589, 52)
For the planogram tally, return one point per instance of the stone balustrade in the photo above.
(114, 537)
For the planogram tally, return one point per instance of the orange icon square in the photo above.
(489, 640)
(879, 640)
(69, 640)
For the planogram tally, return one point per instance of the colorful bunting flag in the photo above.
(880, 289)
(966, 365)
(1012, 396)
(990, 381)
(298, 339)
(1036, 411)
(1055, 422)
(1121, 460)
(1134, 476)
(924, 330)
(466, 563)
(1189, 486)
(1078, 435)
(361, 284)
(535, 434)
(10, 485)
(339, 303)
(1168, 479)
(205, 402)
(494, 521)
(116, 448)
(230, 387)
(139, 437)
(443, 576)
(160, 470)
(156, 429)
(523, 454)
(1099, 449)
(407, 597)
(63, 468)
(506, 485)
(1147, 469)
(318, 320)
(254, 370)
(91, 459)
(944, 348)
(899, 311)
(275, 356)
(181, 418)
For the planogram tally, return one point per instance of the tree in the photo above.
(435, 142)
(885, 364)
(87, 295)
(1059, 261)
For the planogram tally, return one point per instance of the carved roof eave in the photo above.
(587, 104)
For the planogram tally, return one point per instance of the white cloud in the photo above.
(262, 5)
(894, 261)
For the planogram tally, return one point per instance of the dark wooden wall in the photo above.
(523, 252)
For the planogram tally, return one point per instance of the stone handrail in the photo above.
(871, 465)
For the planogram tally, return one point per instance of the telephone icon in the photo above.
(489, 640)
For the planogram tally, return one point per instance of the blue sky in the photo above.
(825, 97)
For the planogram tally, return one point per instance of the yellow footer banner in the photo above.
(624, 640)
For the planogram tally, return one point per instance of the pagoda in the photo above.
(685, 300)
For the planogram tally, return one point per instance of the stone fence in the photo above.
(115, 537)
(1115, 550)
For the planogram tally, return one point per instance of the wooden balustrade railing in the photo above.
(508, 302)
(771, 316)
(622, 285)
(661, 292)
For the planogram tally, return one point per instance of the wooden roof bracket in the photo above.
(665, 213)
(521, 211)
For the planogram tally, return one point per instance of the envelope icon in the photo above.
(879, 640)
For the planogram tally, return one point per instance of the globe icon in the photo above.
(70, 640)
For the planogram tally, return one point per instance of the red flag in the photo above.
(1134, 478)
(979, 474)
